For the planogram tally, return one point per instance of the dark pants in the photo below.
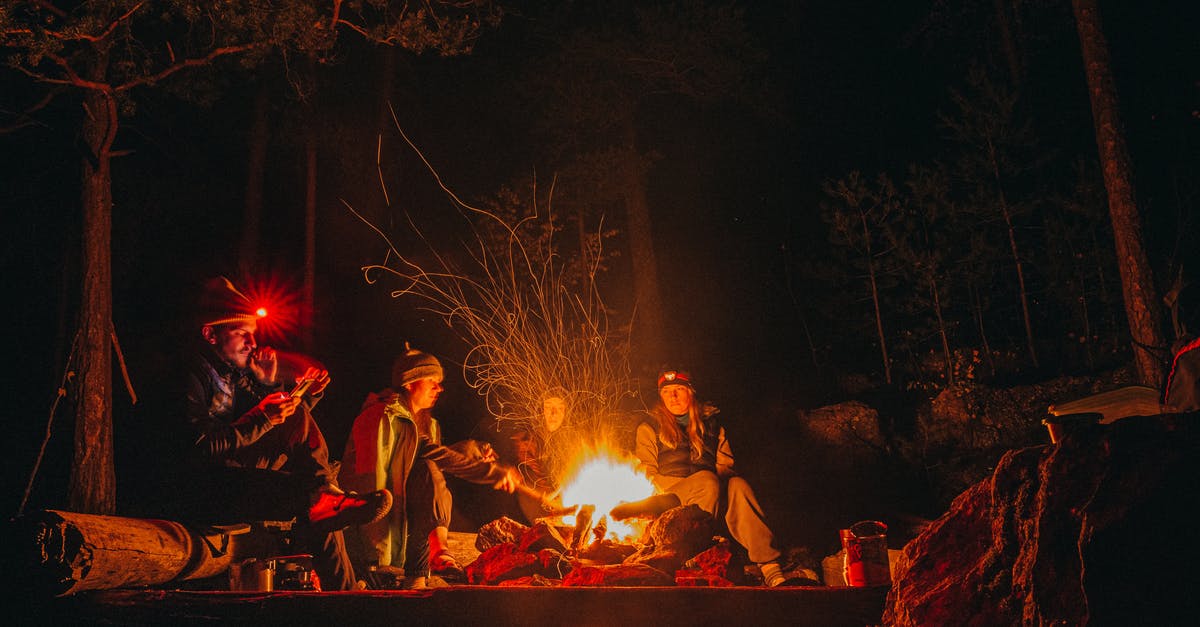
(273, 479)
(428, 504)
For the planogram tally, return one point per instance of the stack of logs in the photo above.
(678, 548)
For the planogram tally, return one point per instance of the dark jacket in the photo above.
(220, 407)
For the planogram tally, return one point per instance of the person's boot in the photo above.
(333, 511)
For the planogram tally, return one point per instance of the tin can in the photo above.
(866, 562)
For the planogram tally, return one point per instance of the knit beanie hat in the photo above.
(414, 365)
(674, 377)
(221, 303)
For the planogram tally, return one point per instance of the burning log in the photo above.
(607, 552)
(583, 525)
(67, 552)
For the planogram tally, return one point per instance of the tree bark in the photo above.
(883, 349)
(645, 264)
(92, 486)
(1137, 282)
(69, 552)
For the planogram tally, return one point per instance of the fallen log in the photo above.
(61, 553)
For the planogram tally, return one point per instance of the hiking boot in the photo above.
(334, 512)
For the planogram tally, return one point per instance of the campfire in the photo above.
(611, 531)
(601, 480)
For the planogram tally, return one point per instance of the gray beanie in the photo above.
(414, 365)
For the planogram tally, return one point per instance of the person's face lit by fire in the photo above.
(677, 398)
(233, 342)
(423, 393)
(554, 411)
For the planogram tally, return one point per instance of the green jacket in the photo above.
(383, 446)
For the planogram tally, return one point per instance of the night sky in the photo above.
(735, 194)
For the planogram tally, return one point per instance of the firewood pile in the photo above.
(678, 548)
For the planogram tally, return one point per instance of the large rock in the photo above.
(850, 425)
(1086, 531)
(500, 531)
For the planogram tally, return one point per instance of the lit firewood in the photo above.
(583, 524)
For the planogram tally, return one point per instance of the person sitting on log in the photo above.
(683, 450)
(395, 443)
(254, 451)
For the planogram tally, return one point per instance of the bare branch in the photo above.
(189, 63)
(527, 329)
(102, 36)
(25, 118)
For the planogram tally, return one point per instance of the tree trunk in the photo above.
(1137, 282)
(983, 336)
(947, 356)
(1009, 41)
(645, 264)
(256, 160)
(68, 552)
(92, 486)
(1011, 230)
(883, 349)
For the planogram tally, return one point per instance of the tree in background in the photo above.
(928, 244)
(859, 218)
(603, 75)
(995, 156)
(1137, 282)
(101, 54)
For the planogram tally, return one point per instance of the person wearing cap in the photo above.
(683, 450)
(396, 444)
(253, 450)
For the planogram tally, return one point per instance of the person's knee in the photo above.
(738, 487)
(706, 490)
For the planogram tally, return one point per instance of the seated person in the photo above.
(542, 450)
(252, 451)
(441, 561)
(682, 448)
(396, 444)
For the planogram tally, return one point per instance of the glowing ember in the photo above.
(605, 480)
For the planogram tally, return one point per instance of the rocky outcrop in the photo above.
(1093, 530)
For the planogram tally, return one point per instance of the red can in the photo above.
(866, 562)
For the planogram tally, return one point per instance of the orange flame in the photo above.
(604, 478)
